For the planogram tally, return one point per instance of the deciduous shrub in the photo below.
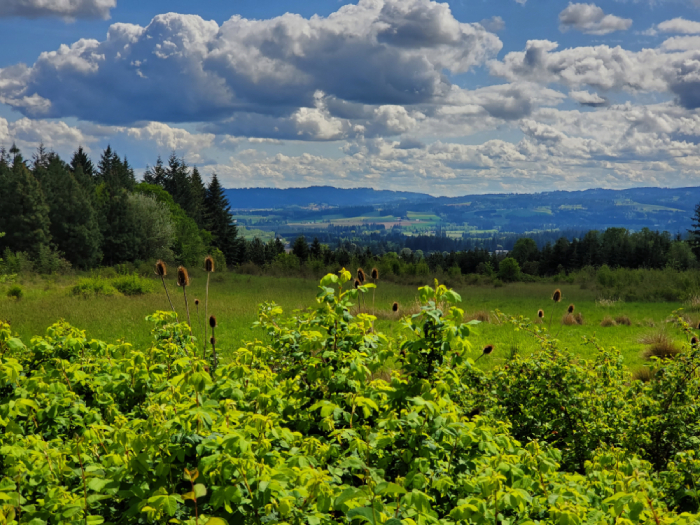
(15, 292)
(133, 285)
(328, 421)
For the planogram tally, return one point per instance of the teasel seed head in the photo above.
(698, 327)
(540, 313)
(183, 278)
(212, 340)
(212, 321)
(556, 296)
(375, 274)
(571, 308)
(196, 302)
(161, 269)
(361, 275)
(357, 283)
(395, 307)
(209, 263)
(487, 349)
(694, 341)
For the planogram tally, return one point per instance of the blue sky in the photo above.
(446, 98)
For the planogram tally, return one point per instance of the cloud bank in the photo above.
(68, 9)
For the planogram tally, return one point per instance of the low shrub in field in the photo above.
(88, 287)
(133, 285)
(623, 320)
(311, 426)
(15, 292)
(608, 321)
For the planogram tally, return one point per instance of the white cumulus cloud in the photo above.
(590, 19)
(679, 25)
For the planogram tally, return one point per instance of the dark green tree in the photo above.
(74, 227)
(220, 223)
(300, 248)
(155, 175)
(316, 249)
(24, 214)
(198, 193)
(694, 232)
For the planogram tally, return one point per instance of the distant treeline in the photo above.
(56, 214)
(614, 247)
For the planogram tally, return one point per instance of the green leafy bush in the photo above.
(327, 421)
(91, 286)
(15, 292)
(133, 285)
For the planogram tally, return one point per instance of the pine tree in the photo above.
(24, 214)
(300, 248)
(74, 227)
(316, 249)
(198, 193)
(81, 159)
(220, 223)
(156, 175)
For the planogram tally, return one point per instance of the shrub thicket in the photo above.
(327, 421)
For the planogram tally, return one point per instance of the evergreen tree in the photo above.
(120, 233)
(220, 223)
(177, 183)
(300, 248)
(74, 226)
(156, 175)
(694, 232)
(24, 214)
(198, 193)
(316, 249)
(81, 160)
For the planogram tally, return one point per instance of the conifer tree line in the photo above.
(85, 215)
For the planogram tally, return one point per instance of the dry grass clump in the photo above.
(659, 344)
(644, 374)
(623, 319)
(608, 321)
(579, 318)
(568, 319)
(481, 315)
(607, 303)
(693, 303)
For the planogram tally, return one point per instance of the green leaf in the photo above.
(95, 520)
(391, 489)
(216, 521)
(363, 513)
(15, 344)
(200, 490)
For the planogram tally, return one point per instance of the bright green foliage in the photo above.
(509, 270)
(311, 426)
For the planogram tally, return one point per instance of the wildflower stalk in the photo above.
(209, 268)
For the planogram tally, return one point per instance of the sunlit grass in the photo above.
(234, 299)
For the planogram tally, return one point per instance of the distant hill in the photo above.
(663, 209)
(266, 198)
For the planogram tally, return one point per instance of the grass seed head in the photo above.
(556, 296)
(212, 321)
(571, 308)
(540, 313)
(183, 278)
(209, 263)
(395, 307)
(375, 274)
(161, 269)
(361, 275)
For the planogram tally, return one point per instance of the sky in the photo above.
(447, 98)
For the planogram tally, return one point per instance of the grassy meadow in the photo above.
(234, 299)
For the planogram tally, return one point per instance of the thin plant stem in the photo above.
(201, 323)
(187, 307)
(167, 294)
(214, 358)
(206, 315)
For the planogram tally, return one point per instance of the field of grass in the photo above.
(234, 299)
